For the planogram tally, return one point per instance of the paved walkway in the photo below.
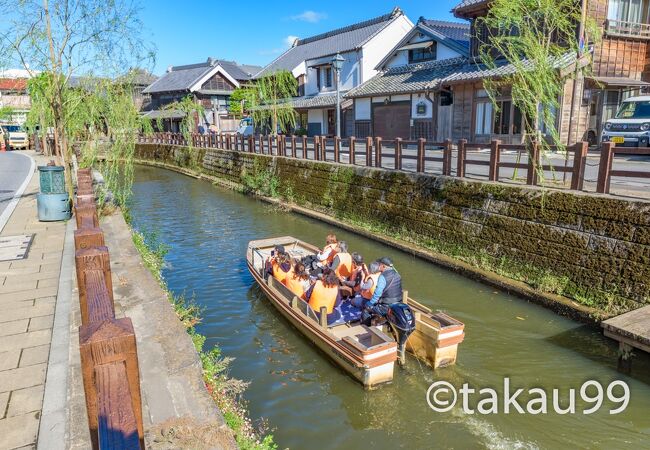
(28, 293)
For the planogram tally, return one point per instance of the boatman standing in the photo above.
(387, 292)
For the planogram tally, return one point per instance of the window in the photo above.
(328, 77)
(625, 11)
(483, 118)
(422, 54)
(502, 118)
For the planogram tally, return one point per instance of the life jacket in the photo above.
(367, 293)
(295, 285)
(280, 274)
(323, 296)
(344, 269)
(393, 291)
(332, 254)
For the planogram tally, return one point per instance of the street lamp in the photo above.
(337, 63)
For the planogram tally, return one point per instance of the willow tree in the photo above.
(192, 111)
(270, 101)
(544, 42)
(67, 38)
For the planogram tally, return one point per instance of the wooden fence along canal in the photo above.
(109, 357)
(413, 155)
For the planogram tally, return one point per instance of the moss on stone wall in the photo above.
(593, 249)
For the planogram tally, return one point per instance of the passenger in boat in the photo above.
(387, 291)
(298, 281)
(342, 263)
(368, 286)
(359, 273)
(325, 292)
(279, 264)
(326, 256)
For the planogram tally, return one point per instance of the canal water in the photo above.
(311, 404)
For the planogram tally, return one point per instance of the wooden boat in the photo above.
(367, 353)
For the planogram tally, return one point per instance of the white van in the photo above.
(16, 137)
(630, 127)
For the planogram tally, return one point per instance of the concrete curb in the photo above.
(54, 425)
(6, 214)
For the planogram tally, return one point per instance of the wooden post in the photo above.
(93, 258)
(446, 158)
(323, 147)
(420, 158)
(251, 144)
(88, 237)
(533, 165)
(117, 425)
(85, 171)
(493, 174)
(378, 151)
(604, 168)
(316, 147)
(261, 144)
(304, 147)
(369, 151)
(337, 143)
(462, 155)
(99, 306)
(352, 151)
(293, 145)
(398, 154)
(323, 317)
(86, 211)
(102, 343)
(283, 142)
(270, 144)
(85, 200)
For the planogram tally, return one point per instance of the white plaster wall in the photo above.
(316, 116)
(400, 98)
(445, 52)
(362, 109)
(378, 47)
(417, 98)
(350, 74)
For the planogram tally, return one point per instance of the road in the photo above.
(629, 187)
(14, 168)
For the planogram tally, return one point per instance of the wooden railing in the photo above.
(107, 346)
(416, 155)
(606, 172)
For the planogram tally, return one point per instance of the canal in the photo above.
(311, 404)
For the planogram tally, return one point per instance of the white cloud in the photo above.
(310, 16)
(289, 40)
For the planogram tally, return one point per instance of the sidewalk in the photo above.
(28, 293)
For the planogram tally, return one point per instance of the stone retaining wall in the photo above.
(593, 249)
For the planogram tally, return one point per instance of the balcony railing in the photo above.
(628, 29)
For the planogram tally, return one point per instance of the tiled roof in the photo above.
(182, 78)
(409, 78)
(468, 3)
(470, 71)
(13, 84)
(339, 40)
(430, 75)
(456, 31)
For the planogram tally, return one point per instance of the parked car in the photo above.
(16, 137)
(630, 127)
(246, 127)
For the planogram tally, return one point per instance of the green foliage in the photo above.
(269, 100)
(151, 250)
(262, 182)
(238, 96)
(6, 112)
(191, 111)
(535, 36)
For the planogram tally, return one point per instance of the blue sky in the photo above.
(257, 32)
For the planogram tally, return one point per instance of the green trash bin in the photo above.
(52, 179)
